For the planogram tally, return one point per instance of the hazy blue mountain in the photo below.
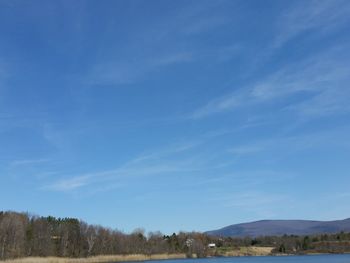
(281, 227)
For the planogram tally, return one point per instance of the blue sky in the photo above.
(175, 115)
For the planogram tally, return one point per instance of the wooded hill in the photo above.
(283, 227)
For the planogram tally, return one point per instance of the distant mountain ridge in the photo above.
(281, 227)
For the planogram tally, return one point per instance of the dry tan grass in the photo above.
(97, 259)
(242, 251)
(249, 251)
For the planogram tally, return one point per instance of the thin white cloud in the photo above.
(204, 25)
(69, 184)
(149, 164)
(171, 59)
(29, 162)
(177, 26)
(285, 145)
(126, 72)
(166, 151)
(323, 77)
(180, 158)
(323, 74)
(309, 16)
(193, 19)
(328, 102)
(118, 175)
(261, 204)
(244, 150)
(222, 104)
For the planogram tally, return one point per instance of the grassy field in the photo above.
(222, 251)
(97, 259)
(243, 251)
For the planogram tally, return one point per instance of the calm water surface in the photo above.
(284, 259)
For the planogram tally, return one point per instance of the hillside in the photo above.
(281, 227)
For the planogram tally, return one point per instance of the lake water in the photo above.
(283, 259)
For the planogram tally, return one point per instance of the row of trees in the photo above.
(324, 243)
(24, 235)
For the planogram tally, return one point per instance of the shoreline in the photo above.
(97, 259)
(142, 257)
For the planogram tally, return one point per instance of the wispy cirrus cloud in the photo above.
(165, 43)
(205, 24)
(69, 184)
(179, 158)
(119, 175)
(130, 71)
(247, 149)
(323, 74)
(160, 162)
(192, 20)
(309, 17)
(290, 144)
(323, 77)
(174, 160)
(23, 162)
(260, 204)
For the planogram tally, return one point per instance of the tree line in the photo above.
(22, 235)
